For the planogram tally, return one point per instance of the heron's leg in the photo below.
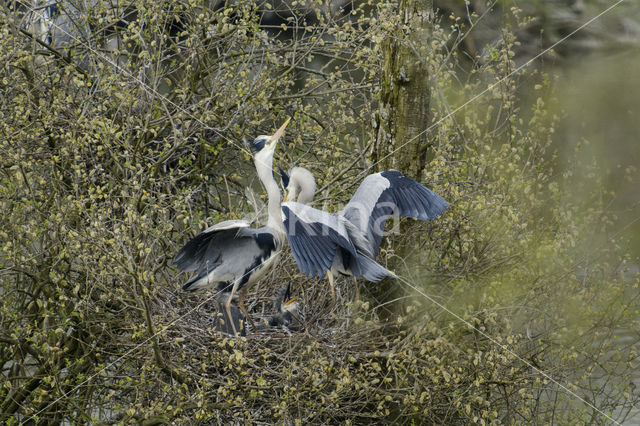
(243, 293)
(333, 291)
(228, 307)
(355, 283)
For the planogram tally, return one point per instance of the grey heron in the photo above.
(230, 254)
(348, 242)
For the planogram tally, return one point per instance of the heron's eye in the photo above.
(257, 144)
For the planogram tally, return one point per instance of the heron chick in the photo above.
(287, 308)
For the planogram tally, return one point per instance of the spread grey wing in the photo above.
(204, 248)
(386, 194)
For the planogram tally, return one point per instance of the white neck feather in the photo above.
(264, 167)
(302, 180)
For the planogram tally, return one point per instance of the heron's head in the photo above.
(298, 180)
(264, 146)
(287, 311)
(287, 302)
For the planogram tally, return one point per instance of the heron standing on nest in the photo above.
(348, 242)
(230, 254)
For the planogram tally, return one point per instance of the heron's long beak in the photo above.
(280, 131)
(287, 294)
(285, 197)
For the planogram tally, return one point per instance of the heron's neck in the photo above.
(306, 195)
(265, 173)
(302, 180)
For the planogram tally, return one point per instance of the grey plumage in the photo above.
(386, 194)
(197, 250)
(314, 237)
(226, 254)
(230, 254)
(348, 242)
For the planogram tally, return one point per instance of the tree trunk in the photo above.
(403, 115)
(404, 100)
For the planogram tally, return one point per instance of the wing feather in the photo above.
(384, 194)
(228, 224)
(316, 250)
(299, 256)
(203, 248)
(314, 237)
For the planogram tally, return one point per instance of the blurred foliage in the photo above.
(123, 140)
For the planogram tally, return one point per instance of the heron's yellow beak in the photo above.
(290, 301)
(280, 131)
(285, 197)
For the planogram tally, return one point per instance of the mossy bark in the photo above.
(401, 142)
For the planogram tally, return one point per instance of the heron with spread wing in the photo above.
(348, 242)
(230, 254)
